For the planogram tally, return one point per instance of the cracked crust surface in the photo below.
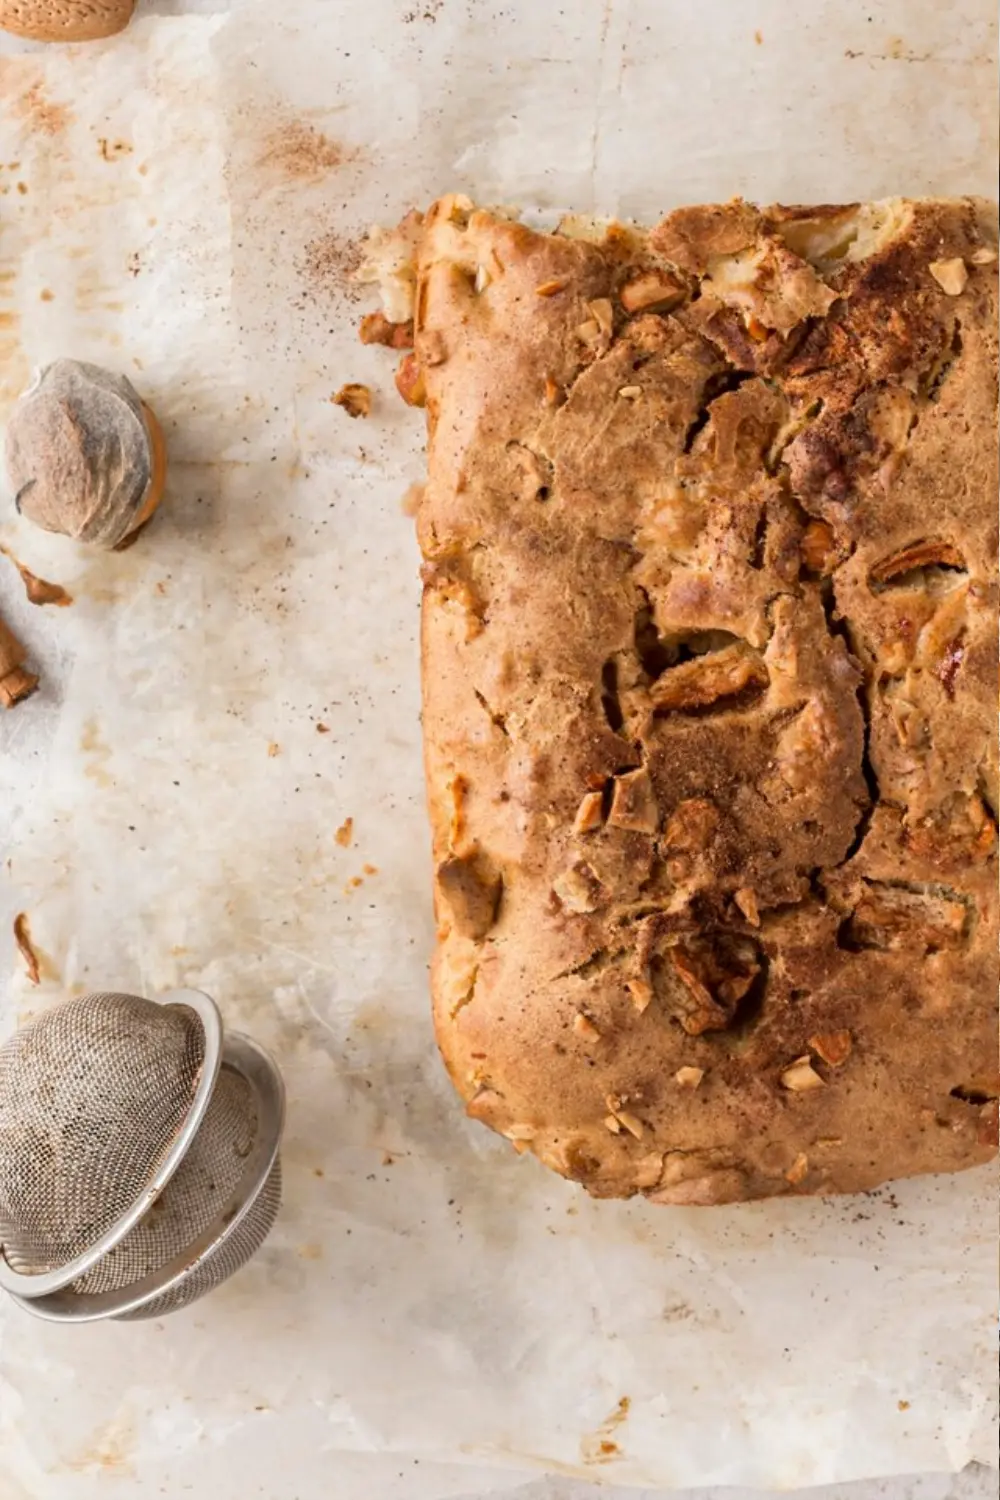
(710, 646)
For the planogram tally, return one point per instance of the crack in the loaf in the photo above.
(466, 998)
(774, 459)
(750, 1010)
(720, 384)
(935, 888)
(933, 379)
(595, 963)
(970, 1094)
(659, 653)
(758, 545)
(838, 626)
(610, 700)
(497, 719)
(986, 795)
(653, 653)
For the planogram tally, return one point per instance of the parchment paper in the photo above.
(184, 203)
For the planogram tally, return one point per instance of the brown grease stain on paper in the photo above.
(28, 100)
(600, 1447)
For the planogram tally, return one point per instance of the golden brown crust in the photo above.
(65, 20)
(710, 660)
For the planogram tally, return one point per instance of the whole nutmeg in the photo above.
(65, 20)
(85, 455)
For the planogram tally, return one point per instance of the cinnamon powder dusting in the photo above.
(299, 151)
(329, 263)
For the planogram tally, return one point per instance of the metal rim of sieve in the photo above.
(261, 1072)
(26, 1288)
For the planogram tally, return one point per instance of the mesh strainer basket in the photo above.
(138, 1156)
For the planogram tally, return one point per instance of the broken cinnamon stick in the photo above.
(16, 682)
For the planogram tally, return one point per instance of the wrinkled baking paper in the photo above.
(184, 203)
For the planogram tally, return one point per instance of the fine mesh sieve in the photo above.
(138, 1156)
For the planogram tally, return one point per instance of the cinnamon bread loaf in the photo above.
(710, 665)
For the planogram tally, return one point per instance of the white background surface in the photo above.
(432, 1316)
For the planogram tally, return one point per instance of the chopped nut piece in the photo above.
(983, 255)
(799, 1169)
(482, 279)
(355, 399)
(801, 1077)
(375, 328)
(924, 554)
(551, 288)
(689, 1078)
(689, 837)
(701, 1011)
(630, 392)
(834, 1047)
(553, 391)
(470, 886)
(631, 1124)
(603, 314)
(891, 917)
(521, 1132)
(746, 900)
(641, 992)
(585, 1028)
(717, 974)
(612, 1124)
(589, 815)
(589, 332)
(633, 803)
(952, 276)
(410, 381)
(705, 679)
(819, 552)
(653, 291)
(578, 889)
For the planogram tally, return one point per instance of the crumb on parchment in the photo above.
(355, 399)
(22, 937)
